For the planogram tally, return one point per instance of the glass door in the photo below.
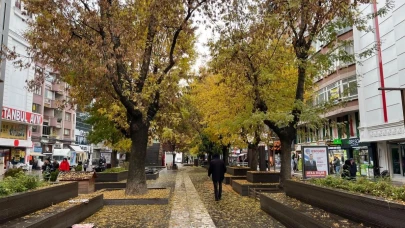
(403, 161)
(396, 161)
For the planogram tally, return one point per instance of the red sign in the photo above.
(16, 142)
(315, 174)
(21, 116)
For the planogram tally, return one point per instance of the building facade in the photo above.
(18, 118)
(340, 133)
(381, 114)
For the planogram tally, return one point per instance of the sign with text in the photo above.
(13, 131)
(21, 116)
(316, 161)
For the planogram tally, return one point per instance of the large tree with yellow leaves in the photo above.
(126, 53)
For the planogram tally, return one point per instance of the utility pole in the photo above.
(5, 8)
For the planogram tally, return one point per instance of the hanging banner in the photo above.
(316, 161)
(21, 116)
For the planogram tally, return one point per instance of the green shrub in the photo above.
(54, 175)
(115, 170)
(19, 183)
(78, 168)
(12, 172)
(380, 188)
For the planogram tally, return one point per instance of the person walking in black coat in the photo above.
(353, 169)
(217, 169)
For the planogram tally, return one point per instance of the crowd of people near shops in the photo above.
(347, 171)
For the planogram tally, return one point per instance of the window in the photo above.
(66, 132)
(38, 90)
(36, 108)
(345, 89)
(68, 117)
(35, 129)
(48, 94)
(46, 130)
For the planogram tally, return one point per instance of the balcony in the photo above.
(58, 88)
(56, 122)
(56, 104)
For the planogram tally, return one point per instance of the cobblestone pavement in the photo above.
(187, 208)
(232, 210)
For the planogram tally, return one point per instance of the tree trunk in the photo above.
(285, 173)
(262, 156)
(225, 154)
(253, 158)
(136, 182)
(209, 157)
(114, 162)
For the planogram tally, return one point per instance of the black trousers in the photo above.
(217, 189)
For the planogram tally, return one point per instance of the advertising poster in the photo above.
(107, 157)
(316, 164)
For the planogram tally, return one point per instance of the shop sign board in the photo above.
(13, 131)
(316, 161)
(21, 116)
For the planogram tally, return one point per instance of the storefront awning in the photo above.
(77, 149)
(36, 154)
(61, 152)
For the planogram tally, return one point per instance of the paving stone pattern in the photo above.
(188, 210)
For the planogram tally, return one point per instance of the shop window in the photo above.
(36, 108)
(66, 132)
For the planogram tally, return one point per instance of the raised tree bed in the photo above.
(21, 204)
(110, 185)
(237, 170)
(85, 180)
(112, 177)
(263, 177)
(152, 176)
(369, 210)
(155, 196)
(228, 178)
(61, 215)
(284, 214)
(242, 186)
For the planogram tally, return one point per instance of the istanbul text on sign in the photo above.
(21, 116)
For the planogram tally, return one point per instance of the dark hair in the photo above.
(215, 156)
(65, 159)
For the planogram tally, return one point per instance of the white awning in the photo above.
(36, 154)
(61, 152)
(77, 149)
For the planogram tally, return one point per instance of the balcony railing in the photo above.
(56, 122)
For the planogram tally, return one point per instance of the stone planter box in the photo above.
(112, 177)
(228, 178)
(284, 214)
(61, 218)
(369, 210)
(152, 176)
(243, 189)
(110, 185)
(21, 204)
(237, 171)
(151, 201)
(262, 177)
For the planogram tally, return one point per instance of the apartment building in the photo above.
(381, 114)
(18, 118)
(57, 134)
(81, 131)
(340, 133)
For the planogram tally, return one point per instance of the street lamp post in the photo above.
(402, 90)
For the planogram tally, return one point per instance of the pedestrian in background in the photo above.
(353, 169)
(336, 163)
(64, 165)
(217, 169)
